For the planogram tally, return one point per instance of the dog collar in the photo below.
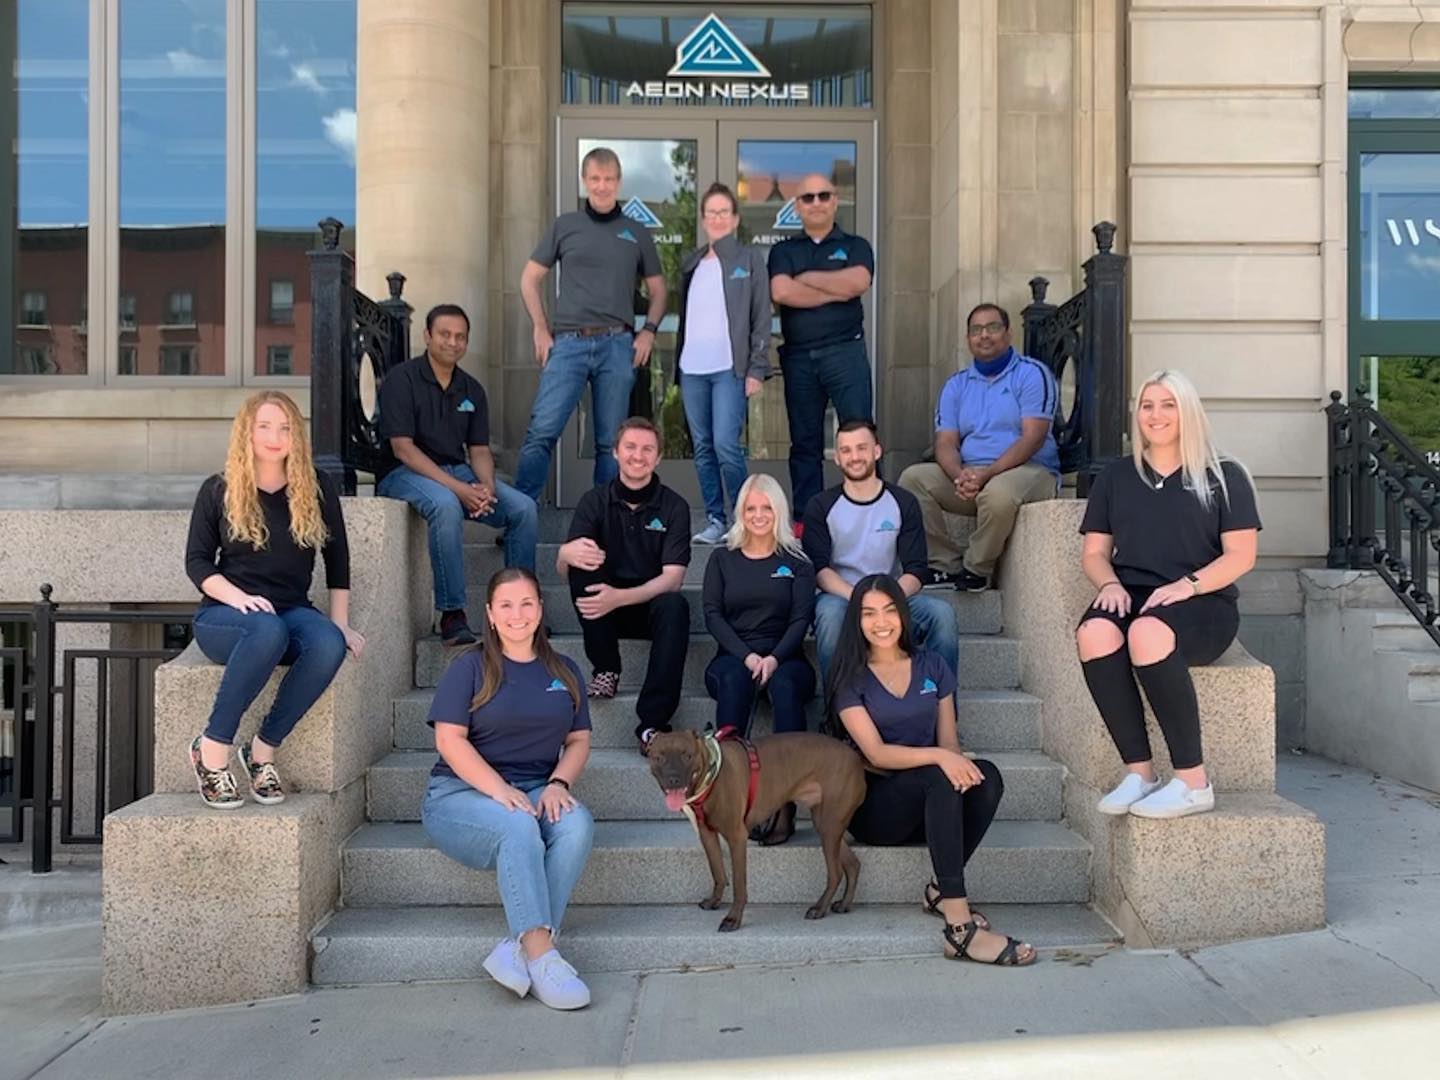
(712, 771)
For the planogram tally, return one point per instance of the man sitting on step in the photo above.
(435, 428)
(865, 526)
(625, 557)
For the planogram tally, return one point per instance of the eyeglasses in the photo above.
(976, 329)
(816, 196)
(723, 212)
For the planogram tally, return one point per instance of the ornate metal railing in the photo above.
(1384, 505)
(1085, 337)
(355, 341)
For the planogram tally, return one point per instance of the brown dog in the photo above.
(813, 770)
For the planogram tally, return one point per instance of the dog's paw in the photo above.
(710, 903)
(816, 912)
(839, 907)
(728, 924)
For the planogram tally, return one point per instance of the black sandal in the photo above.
(1009, 955)
(777, 829)
(931, 906)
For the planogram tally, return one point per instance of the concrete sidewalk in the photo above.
(1357, 998)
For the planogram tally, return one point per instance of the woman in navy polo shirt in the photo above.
(512, 726)
(898, 705)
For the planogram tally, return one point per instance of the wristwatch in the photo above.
(1194, 583)
(654, 328)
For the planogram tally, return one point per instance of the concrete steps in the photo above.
(660, 862)
(617, 785)
(370, 945)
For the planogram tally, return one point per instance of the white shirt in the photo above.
(707, 330)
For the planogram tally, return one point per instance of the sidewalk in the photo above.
(1359, 997)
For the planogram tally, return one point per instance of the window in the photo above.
(278, 360)
(83, 322)
(34, 360)
(180, 309)
(178, 360)
(32, 309)
(127, 312)
(128, 355)
(282, 302)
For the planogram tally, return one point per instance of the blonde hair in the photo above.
(1199, 455)
(784, 531)
(242, 498)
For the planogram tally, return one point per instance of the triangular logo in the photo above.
(636, 210)
(711, 49)
(787, 217)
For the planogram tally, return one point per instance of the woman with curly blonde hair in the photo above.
(251, 552)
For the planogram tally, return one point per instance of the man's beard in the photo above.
(869, 472)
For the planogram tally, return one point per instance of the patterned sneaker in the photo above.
(455, 628)
(265, 786)
(217, 786)
(555, 983)
(713, 533)
(603, 684)
(506, 965)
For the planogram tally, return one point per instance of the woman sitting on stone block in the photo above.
(1167, 535)
(251, 552)
(897, 704)
(512, 726)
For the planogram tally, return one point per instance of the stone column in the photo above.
(423, 155)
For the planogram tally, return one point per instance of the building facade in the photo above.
(1274, 170)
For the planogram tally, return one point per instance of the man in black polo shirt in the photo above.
(817, 280)
(625, 557)
(435, 425)
(592, 338)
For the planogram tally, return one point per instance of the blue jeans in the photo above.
(444, 516)
(932, 622)
(838, 373)
(536, 863)
(715, 410)
(608, 365)
(253, 644)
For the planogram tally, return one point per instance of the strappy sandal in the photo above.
(930, 904)
(1009, 955)
(777, 829)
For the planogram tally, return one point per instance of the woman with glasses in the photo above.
(724, 349)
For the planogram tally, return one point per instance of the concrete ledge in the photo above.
(206, 907)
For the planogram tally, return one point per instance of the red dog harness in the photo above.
(698, 805)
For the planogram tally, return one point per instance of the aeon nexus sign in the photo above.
(713, 63)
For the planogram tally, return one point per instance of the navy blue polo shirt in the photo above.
(909, 720)
(521, 730)
(828, 324)
(443, 422)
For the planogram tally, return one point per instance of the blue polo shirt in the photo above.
(829, 324)
(987, 412)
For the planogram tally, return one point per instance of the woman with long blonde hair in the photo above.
(251, 551)
(759, 597)
(1168, 532)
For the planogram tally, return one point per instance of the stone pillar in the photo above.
(423, 155)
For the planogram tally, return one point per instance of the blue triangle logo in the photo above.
(788, 218)
(929, 687)
(713, 49)
(636, 210)
(555, 684)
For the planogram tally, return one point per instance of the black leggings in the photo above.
(912, 805)
(1204, 627)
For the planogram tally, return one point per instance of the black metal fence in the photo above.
(1085, 338)
(41, 685)
(354, 342)
(1384, 505)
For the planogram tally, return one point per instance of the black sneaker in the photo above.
(644, 735)
(455, 628)
(965, 581)
(937, 579)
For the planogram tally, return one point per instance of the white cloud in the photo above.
(340, 131)
(184, 62)
(304, 75)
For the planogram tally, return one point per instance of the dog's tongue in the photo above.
(675, 798)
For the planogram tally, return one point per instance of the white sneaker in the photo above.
(555, 983)
(1175, 799)
(713, 533)
(1131, 790)
(506, 965)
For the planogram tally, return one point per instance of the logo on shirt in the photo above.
(655, 525)
(739, 272)
(839, 254)
(929, 687)
(465, 406)
(787, 218)
(886, 526)
(556, 684)
(637, 211)
(626, 234)
(783, 571)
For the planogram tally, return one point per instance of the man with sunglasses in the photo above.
(817, 280)
(994, 452)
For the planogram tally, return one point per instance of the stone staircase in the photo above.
(408, 912)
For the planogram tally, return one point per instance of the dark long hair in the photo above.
(852, 653)
(492, 654)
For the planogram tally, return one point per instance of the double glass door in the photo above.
(666, 167)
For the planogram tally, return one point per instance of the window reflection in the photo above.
(44, 132)
(1399, 236)
(172, 185)
(1394, 103)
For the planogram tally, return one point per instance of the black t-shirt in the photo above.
(280, 571)
(637, 542)
(443, 423)
(828, 324)
(758, 605)
(1160, 529)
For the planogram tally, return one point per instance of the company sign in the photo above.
(638, 210)
(711, 62)
(1400, 266)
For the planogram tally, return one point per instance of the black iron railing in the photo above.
(1085, 337)
(38, 678)
(355, 342)
(1384, 505)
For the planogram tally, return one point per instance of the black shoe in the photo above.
(965, 581)
(455, 628)
(937, 579)
(644, 735)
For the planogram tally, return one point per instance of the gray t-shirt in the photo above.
(599, 261)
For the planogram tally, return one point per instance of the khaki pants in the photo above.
(994, 510)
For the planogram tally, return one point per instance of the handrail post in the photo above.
(1104, 345)
(1339, 460)
(332, 284)
(1034, 313)
(400, 310)
(41, 815)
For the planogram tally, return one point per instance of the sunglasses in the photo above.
(816, 196)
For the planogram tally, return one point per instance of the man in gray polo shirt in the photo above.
(592, 338)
